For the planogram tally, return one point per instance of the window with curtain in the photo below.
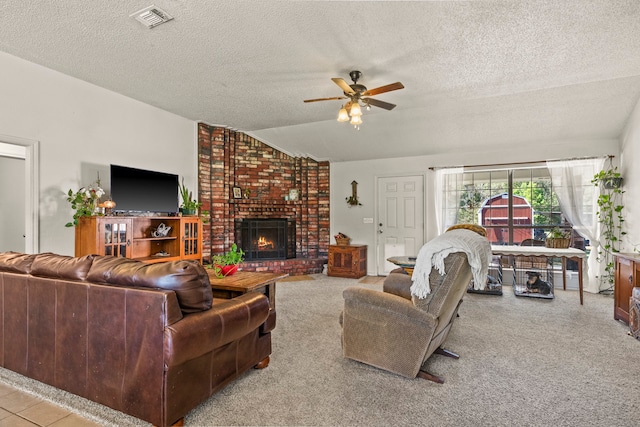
(512, 204)
(521, 203)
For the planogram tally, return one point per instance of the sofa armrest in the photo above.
(398, 283)
(385, 330)
(228, 320)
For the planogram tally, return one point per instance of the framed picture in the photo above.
(293, 194)
(237, 193)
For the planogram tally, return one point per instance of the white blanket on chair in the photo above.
(433, 253)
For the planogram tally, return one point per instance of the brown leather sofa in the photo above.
(145, 339)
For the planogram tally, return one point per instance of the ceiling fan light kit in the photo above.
(355, 94)
(355, 109)
(343, 116)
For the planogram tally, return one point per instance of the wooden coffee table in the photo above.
(243, 282)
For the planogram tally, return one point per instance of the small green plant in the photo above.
(189, 204)
(609, 216)
(557, 233)
(234, 256)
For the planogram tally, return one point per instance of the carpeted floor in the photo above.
(523, 362)
(300, 278)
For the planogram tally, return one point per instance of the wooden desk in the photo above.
(541, 251)
(243, 282)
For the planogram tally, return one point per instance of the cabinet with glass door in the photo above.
(147, 239)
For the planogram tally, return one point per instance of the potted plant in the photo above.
(226, 264)
(189, 205)
(610, 179)
(557, 238)
(609, 216)
(84, 201)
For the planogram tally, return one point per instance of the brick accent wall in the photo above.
(228, 159)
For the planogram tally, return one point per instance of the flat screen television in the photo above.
(138, 190)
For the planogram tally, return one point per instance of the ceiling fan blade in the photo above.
(383, 89)
(378, 103)
(343, 85)
(325, 99)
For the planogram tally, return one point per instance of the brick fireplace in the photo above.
(263, 177)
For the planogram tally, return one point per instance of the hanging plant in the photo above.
(610, 217)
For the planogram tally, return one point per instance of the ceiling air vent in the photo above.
(151, 16)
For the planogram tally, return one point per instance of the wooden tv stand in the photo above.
(132, 237)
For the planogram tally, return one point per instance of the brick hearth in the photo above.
(229, 159)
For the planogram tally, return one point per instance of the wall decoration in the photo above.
(353, 199)
(237, 193)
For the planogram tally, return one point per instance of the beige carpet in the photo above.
(300, 278)
(524, 362)
(372, 280)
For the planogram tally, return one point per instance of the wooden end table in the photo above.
(243, 282)
(407, 263)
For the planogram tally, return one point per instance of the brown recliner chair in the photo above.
(393, 331)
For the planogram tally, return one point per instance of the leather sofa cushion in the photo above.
(14, 262)
(61, 266)
(187, 279)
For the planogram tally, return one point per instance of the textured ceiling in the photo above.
(475, 72)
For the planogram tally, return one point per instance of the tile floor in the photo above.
(19, 409)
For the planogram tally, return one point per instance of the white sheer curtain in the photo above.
(578, 199)
(447, 197)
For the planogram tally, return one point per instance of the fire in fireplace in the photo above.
(263, 239)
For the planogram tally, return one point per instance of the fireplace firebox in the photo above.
(263, 239)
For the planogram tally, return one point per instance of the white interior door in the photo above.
(400, 219)
(27, 177)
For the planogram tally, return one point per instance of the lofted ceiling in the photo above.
(475, 72)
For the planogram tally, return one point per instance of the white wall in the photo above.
(630, 170)
(82, 129)
(349, 220)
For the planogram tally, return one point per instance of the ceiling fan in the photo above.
(357, 94)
